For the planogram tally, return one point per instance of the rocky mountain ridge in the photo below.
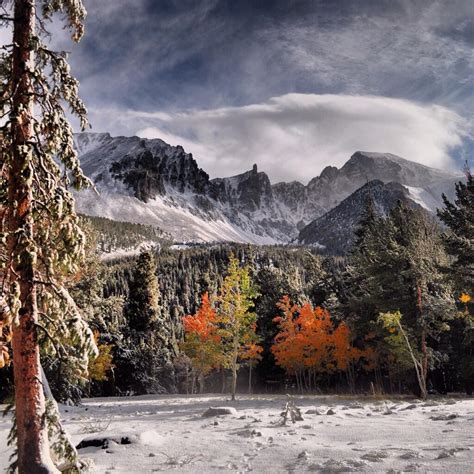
(333, 232)
(150, 182)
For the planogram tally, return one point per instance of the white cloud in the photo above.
(295, 136)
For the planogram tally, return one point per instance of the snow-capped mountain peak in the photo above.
(150, 182)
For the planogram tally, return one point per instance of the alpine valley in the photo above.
(147, 181)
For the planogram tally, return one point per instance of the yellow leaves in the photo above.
(102, 364)
(251, 352)
(465, 298)
(4, 356)
(5, 338)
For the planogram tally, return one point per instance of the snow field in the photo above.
(167, 433)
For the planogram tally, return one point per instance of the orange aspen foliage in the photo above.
(345, 353)
(287, 354)
(308, 343)
(202, 342)
(465, 298)
(251, 352)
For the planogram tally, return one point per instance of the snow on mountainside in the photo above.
(333, 232)
(150, 182)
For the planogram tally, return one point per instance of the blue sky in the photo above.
(293, 85)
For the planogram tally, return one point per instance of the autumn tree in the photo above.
(404, 345)
(236, 320)
(102, 365)
(347, 355)
(309, 344)
(202, 341)
(287, 351)
(42, 243)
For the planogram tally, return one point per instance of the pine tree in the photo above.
(235, 316)
(44, 244)
(143, 310)
(459, 242)
(401, 272)
(151, 344)
(459, 217)
(356, 296)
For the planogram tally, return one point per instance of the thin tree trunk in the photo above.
(417, 364)
(250, 378)
(187, 380)
(201, 383)
(32, 438)
(424, 348)
(193, 381)
(223, 380)
(234, 375)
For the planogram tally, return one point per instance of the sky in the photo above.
(292, 85)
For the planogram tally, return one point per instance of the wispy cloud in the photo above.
(179, 54)
(295, 136)
(182, 57)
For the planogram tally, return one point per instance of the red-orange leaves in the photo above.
(308, 343)
(304, 339)
(202, 342)
(202, 323)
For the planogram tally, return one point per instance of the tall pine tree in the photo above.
(459, 241)
(44, 244)
(146, 363)
(459, 218)
(398, 267)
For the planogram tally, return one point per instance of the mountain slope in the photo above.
(150, 182)
(333, 232)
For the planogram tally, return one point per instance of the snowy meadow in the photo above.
(162, 433)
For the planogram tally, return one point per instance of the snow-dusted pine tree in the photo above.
(459, 240)
(42, 243)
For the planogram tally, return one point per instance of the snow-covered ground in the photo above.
(169, 433)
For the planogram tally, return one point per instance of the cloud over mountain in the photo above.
(295, 136)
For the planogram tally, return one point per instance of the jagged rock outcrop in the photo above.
(150, 182)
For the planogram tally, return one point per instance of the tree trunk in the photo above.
(32, 438)
(193, 381)
(424, 348)
(234, 367)
(234, 379)
(201, 383)
(250, 378)
(223, 380)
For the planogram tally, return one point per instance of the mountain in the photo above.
(150, 182)
(333, 233)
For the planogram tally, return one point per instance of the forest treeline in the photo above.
(110, 236)
(395, 315)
